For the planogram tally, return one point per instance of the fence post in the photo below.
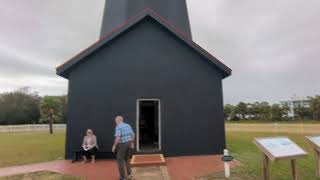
(302, 128)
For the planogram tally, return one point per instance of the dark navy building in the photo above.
(146, 68)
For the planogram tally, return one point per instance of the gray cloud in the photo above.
(36, 36)
(272, 46)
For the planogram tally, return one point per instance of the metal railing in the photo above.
(300, 128)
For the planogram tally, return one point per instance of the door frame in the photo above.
(137, 121)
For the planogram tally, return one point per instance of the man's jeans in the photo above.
(123, 158)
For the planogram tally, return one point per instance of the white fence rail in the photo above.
(31, 127)
(231, 127)
(299, 128)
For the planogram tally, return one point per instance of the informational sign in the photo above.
(315, 140)
(227, 158)
(279, 147)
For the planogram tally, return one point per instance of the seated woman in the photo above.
(89, 146)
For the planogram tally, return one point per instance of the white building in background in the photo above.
(294, 103)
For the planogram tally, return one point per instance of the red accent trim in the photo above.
(106, 36)
(164, 20)
(184, 36)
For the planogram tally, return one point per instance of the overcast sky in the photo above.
(272, 46)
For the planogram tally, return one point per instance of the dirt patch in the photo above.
(235, 176)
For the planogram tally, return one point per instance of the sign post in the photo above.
(266, 175)
(315, 143)
(318, 163)
(276, 149)
(226, 158)
(294, 169)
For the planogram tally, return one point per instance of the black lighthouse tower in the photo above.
(146, 67)
(118, 11)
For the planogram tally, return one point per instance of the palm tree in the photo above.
(314, 103)
(50, 110)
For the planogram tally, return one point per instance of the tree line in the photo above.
(24, 106)
(275, 112)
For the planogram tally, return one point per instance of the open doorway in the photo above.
(148, 125)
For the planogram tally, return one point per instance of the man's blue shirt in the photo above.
(125, 132)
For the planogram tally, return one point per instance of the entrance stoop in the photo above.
(148, 160)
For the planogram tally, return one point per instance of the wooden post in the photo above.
(294, 169)
(317, 157)
(266, 175)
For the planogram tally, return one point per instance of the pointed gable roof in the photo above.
(64, 69)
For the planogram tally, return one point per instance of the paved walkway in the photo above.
(189, 167)
(178, 168)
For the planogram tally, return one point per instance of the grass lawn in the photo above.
(30, 147)
(25, 148)
(40, 176)
(242, 148)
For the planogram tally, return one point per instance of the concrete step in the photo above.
(148, 160)
(150, 173)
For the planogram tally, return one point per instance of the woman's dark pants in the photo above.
(89, 153)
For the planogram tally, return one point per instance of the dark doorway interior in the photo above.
(149, 125)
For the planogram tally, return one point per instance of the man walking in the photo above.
(123, 143)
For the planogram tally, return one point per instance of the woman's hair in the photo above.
(89, 130)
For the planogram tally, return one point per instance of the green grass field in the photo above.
(242, 148)
(25, 148)
(31, 147)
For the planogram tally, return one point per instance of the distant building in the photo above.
(294, 103)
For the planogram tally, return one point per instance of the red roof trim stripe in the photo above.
(184, 36)
(106, 36)
(164, 22)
